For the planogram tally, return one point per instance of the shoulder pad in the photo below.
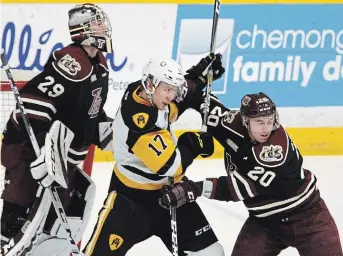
(273, 153)
(137, 115)
(72, 63)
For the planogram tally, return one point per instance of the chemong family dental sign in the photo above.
(292, 67)
(280, 49)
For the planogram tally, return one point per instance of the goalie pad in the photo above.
(54, 241)
(32, 230)
(57, 144)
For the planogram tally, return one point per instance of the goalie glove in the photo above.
(51, 164)
(198, 73)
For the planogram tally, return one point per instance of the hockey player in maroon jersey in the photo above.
(264, 170)
(72, 89)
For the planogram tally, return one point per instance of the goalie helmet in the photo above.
(258, 105)
(159, 70)
(89, 25)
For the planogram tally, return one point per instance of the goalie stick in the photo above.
(52, 190)
(210, 71)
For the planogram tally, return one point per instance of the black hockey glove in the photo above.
(198, 73)
(199, 143)
(187, 191)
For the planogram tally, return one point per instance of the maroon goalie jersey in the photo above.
(72, 88)
(268, 177)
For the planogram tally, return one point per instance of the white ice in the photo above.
(227, 218)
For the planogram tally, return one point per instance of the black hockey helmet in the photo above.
(258, 105)
(89, 25)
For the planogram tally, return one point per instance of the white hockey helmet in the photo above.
(89, 25)
(165, 70)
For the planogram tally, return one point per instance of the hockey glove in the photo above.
(187, 191)
(198, 143)
(51, 164)
(39, 170)
(198, 73)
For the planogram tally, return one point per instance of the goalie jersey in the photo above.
(72, 88)
(145, 148)
(268, 177)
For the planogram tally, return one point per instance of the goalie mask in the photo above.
(89, 25)
(168, 71)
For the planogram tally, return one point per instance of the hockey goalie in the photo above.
(64, 105)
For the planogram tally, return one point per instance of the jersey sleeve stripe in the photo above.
(38, 109)
(289, 200)
(234, 189)
(245, 183)
(296, 203)
(32, 114)
(40, 103)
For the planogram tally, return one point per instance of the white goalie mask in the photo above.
(165, 70)
(89, 25)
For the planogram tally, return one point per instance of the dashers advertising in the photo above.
(291, 52)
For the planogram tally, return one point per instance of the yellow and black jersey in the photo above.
(145, 149)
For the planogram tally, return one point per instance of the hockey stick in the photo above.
(52, 190)
(210, 70)
(172, 209)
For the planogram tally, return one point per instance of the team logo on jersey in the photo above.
(115, 242)
(140, 119)
(271, 153)
(69, 65)
(230, 116)
(94, 109)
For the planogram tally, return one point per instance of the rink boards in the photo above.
(294, 57)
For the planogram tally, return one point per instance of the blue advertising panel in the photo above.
(291, 52)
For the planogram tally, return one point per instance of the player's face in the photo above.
(260, 128)
(98, 28)
(163, 95)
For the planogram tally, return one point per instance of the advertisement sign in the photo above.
(291, 52)
(30, 33)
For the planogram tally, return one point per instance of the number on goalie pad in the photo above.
(57, 144)
(56, 241)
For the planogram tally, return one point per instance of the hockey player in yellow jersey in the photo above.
(147, 153)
